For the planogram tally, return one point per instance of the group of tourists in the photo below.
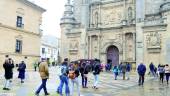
(8, 67)
(122, 69)
(161, 71)
(69, 74)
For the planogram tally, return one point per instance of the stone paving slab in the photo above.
(107, 85)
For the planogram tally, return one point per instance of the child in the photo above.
(115, 71)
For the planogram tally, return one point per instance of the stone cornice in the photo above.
(47, 45)
(18, 54)
(32, 5)
(107, 28)
(19, 30)
(155, 28)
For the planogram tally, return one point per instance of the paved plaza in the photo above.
(107, 86)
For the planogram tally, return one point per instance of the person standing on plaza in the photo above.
(73, 75)
(8, 66)
(167, 73)
(21, 69)
(44, 73)
(141, 71)
(82, 69)
(124, 70)
(152, 69)
(86, 71)
(128, 69)
(35, 64)
(64, 79)
(96, 73)
(115, 71)
(161, 72)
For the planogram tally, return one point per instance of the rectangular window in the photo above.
(19, 21)
(18, 48)
(43, 50)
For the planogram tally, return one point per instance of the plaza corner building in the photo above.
(20, 34)
(132, 31)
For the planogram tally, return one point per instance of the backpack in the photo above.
(72, 74)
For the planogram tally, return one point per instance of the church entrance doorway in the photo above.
(113, 55)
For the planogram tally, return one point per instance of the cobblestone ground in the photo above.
(107, 86)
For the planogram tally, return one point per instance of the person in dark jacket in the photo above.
(8, 66)
(128, 69)
(152, 69)
(21, 69)
(84, 70)
(141, 71)
(96, 73)
(124, 70)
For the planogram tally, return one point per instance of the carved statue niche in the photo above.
(130, 13)
(129, 46)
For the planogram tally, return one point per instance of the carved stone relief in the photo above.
(111, 15)
(153, 39)
(73, 47)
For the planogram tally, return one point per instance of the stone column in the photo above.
(124, 47)
(98, 46)
(139, 31)
(90, 51)
(134, 47)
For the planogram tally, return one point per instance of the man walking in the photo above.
(141, 71)
(44, 73)
(128, 69)
(124, 70)
(152, 69)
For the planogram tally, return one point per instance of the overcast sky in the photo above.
(51, 18)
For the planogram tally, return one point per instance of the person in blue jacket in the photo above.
(115, 71)
(141, 71)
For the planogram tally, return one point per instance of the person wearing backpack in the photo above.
(73, 75)
(161, 72)
(64, 79)
(115, 71)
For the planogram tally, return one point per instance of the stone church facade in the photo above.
(118, 30)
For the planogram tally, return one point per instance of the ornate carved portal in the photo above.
(113, 55)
